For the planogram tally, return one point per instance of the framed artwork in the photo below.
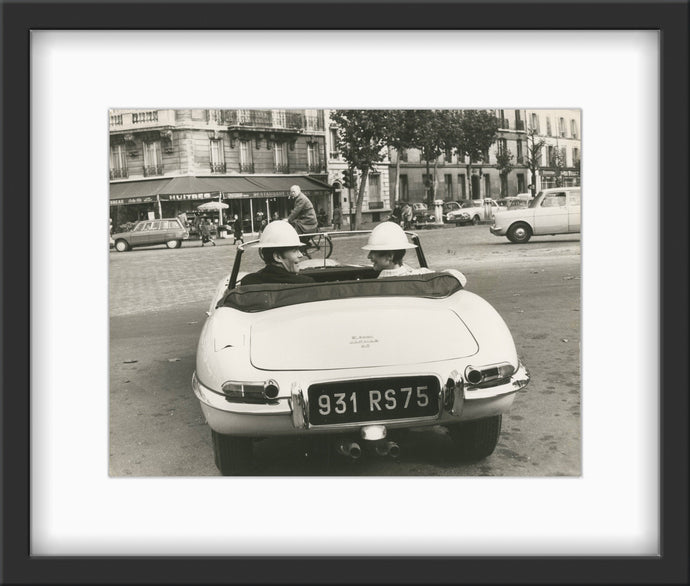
(106, 478)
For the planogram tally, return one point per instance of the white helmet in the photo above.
(279, 234)
(388, 236)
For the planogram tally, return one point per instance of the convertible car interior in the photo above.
(252, 298)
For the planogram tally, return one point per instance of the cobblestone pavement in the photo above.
(156, 278)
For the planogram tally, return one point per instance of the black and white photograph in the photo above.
(344, 292)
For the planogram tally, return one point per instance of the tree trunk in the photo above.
(433, 184)
(360, 199)
(427, 182)
(468, 169)
(396, 190)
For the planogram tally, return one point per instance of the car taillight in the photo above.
(491, 373)
(251, 392)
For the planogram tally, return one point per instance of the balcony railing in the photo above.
(284, 168)
(334, 155)
(314, 122)
(118, 173)
(217, 167)
(246, 167)
(151, 170)
(275, 119)
(519, 125)
(504, 123)
(142, 119)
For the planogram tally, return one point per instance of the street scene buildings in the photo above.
(166, 162)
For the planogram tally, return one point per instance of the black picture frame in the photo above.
(670, 18)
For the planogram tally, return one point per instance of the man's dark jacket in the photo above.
(274, 274)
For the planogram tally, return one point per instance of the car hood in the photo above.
(346, 334)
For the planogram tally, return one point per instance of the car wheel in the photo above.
(173, 243)
(476, 439)
(121, 246)
(475, 220)
(519, 233)
(233, 455)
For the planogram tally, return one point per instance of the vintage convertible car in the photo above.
(352, 359)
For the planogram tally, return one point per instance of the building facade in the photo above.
(452, 180)
(167, 162)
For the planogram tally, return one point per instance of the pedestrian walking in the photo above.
(237, 230)
(206, 233)
(337, 218)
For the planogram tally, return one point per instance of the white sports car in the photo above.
(357, 358)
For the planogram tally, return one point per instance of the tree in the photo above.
(471, 133)
(400, 131)
(504, 165)
(558, 164)
(534, 148)
(430, 140)
(361, 142)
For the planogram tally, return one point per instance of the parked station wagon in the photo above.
(552, 211)
(168, 231)
(336, 359)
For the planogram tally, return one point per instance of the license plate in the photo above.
(373, 400)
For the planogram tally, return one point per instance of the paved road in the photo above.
(158, 299)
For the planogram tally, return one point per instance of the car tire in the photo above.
(233, 455)
(475, 220)
(519, 233)
(121, 246)
(173, 243)
(476, 439)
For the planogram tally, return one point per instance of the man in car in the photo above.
(279, 247)
(303, 216)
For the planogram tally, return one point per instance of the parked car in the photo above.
(168, 231)
(472, 211)
(450, 206)
(325, 359)
(421, 216)
(552, 211)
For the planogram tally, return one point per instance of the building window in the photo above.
(576, 155)
(573, 129)
(313, 157)
(153, 159)
(535, 122)
(334, 154)
(404, 188)
(403, 155)
(217, 160)
(374, 187)
(548, 126)
(246, 161)
(502, 146)
(520, 159)
(561, 126)
(485, 156)
(549, 155)
(448, 183)
(487, 185)
(462, 187)
(448, 156)
(118, 162)
(563, 157)
(280, 157)
(519, 125)
(521, 182)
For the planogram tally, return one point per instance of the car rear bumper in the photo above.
(289, 415)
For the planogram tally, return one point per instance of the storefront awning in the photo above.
(189, 188)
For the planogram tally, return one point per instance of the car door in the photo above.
(138, 235)
(551, 217)
(574, 211)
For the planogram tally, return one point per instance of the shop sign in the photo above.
(190, 196)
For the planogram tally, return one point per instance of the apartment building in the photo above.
(166, 162)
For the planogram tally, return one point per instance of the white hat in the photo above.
(280, 234)
(388, 236)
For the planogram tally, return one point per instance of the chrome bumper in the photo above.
(290, 416)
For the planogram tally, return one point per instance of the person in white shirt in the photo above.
(387, 245)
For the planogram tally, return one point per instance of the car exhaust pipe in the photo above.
(350, 449)
(388, 449)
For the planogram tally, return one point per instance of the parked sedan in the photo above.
(325, 359)
(552, 211)
(421, 216)
(168, 231)
(472, 211)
